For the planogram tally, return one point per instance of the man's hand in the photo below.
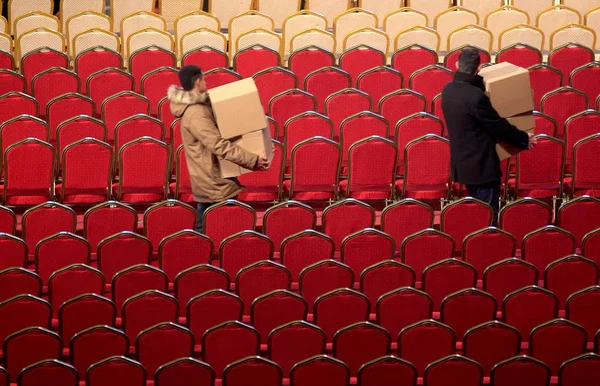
(262, 164)
(532, 141)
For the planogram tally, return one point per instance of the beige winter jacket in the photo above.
(203, 144)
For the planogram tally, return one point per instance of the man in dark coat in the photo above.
(475, 128)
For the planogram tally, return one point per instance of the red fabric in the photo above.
(326, 82)
(92, 61)
(106, 221)
(426, 173)
(117, 372)
(308, 248)
(507, 277)
(342, 220)
(360, 344)
(6, 61)
(143, 171)
(82, 313)
(527, 309)
(144, 311)
(22, 312)
(134, 281)
(259, 279)
(580, 371)
(182, 370)
(242, 250)
(73, 282)
(466, 310)
(249, 61)
(289, 105)
(412, 128)
(163, 344)
(166, 219)
(521, 372)
(425, 342)
(393, 220)
(286, 221)
(463, 218)
(122, 252)
(359, 127)
(400, 105)
(364, 249)
(211, 309)
(523, 217)
(137, 127)
(264, 186)
(272, 82)
(357, 60)
(425, 249)
(380, 83)
(273, 128)
(219, 77)
(445, 373)
(29, 171)
(569, 58)
(431, 82)
(321, 370)
(569, 276)
(276, 309)
(307, 60)
(67, 107)
(120, 107)
(544, 125)
(591, 247)
(323, 277)
(78, 129)
(95, 345)
(304, 127)
(370, 194)
(28, 347)
(344, 105)
(226, 221)
(446, 278)
(51, 84)
(579, 128)
(582, 308)
(451, 58)
(338, 309)
(557, 342)
(384, 277)
(579, 217)
(14, 252)
(166, 117)
(205, 57)
(378, 372)
(229, 343)
(401, 308)
(561, 105)
(196, 281)
(409, 59)
(543, 80)
(87, 170)
(253, 372)
(8, 221)
(293, 343)
(546, 246)
(41, 372)
(21, 128)
(154, 86)
(587, 80)
(371, 169)
(438, 111)
(522, 56)
(586, 172)
(34, 63)
(46, 221)
(182, 252)
(13, 105)
(145, 60)
(486, 248)
(10, 81)
(58, 252)
(478, 343)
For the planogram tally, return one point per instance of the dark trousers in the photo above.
(202, 207)
(488, 193)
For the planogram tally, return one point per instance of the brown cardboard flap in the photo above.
(509, 89)
(257, 142)
(505, 150)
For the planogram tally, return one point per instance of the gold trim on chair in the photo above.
(86, 13)
(145, 30)
(431, 17)
(36, 13)
(451, 10)
(178, 35)
(256, 6)
(76, 52)
(10, 40)
(472, 27)
(5, 22)
(349, 5)
(503, 9)
(318, 31)
(18, 50)
(286, 38)
(570, 26)
(522, 26)
(206, 30)
(249, 13)
(418, 28)
(173, 16)
(86, 9)
(10, 20)
(260, 30)
(555, 8)
(118, 23)
(352, 11)
(484, 4)
(405, 10)
(371, 30)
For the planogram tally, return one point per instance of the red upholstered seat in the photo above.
(359, 59)
(520, 54)
(306, 60)
(253, 59)
(478, 340)
(409, 59)
(272, 82)
(93, 60)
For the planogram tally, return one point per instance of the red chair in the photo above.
(108, 82)
(227, 218)
(466, 309)
(582, 308)
(524, 216)
(371, 169)
(430, 81)
(360, 126)
(380, 370)
(28, 172)
(478, 341)
(563, 103)
(266, 185)
(227, 343)
(585, 179)
(8, 221)
(134, 280)
(487, 246)
(272, 82)
(401, 104)
(45, 220)
(147, 309)
(14, 252)
(320, 369)
(22, 127)
(507, 276)
(52, 83)
(253, 371)
(135, 127)
(544, 79)
(163, 343)
(308, 59)
(438, 339)
(165, 218)
(451, 58)
(260, 278)
(288, 104)
(346, 217)
(360, 343)
(424, 248)
(402, 307)
(578, 127)
(426, 177)
(7, 61)
(545, 124)
(72, 281)
(345, 103)
(143, 171)
(107, 219)
(95, 344)
(546, 245)
(570, 56)
(59, 251)
(585, 78)
(40, 372)
(40, 60)
(29, 346)
(324, 82)
(359, 59)
(206, 57)
(154, 83)
(570, 274)
(520, 371)
(77, 128)
(413, 127)
(340, 308)
(116, 371)
(556, 341)
(520, 54)
(366, 248)
(166, 117)
(309, 156)
(378, 82)
(579, 370)
(181, 370)
(529, 307)
(121, 251)
(253, 59)
(409, 59)
(463, 217)
(87, 172)
(65, 107)
(120, 106)
(447, 277)
(93, 60)
(322, 277)
(454, 366)
(219, 77)
(181, 189)
(23, 311)
(304, 126)
(294, 342)
(383, 277)
(182, 250)
(11, 81)
(148, 59)
(83, 312)
(275, 309)
(590, 246)
(243, 249)
(13, 104)
(212, 308)
(287, 219)
(393, 219)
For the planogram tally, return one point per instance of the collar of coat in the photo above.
(178, 95)
(474, 80)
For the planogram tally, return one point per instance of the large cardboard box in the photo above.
(257, 142)
(509, 89)
(524, 122)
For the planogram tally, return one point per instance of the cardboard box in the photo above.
(524, 122)
(509, 89)
(237, 108)
(257, 142)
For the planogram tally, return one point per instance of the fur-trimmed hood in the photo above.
(180, 99)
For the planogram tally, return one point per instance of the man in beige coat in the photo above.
(204, 144)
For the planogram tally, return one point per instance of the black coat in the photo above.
(474, 128)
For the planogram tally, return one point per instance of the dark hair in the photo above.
(469, 61)
(188, 75)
